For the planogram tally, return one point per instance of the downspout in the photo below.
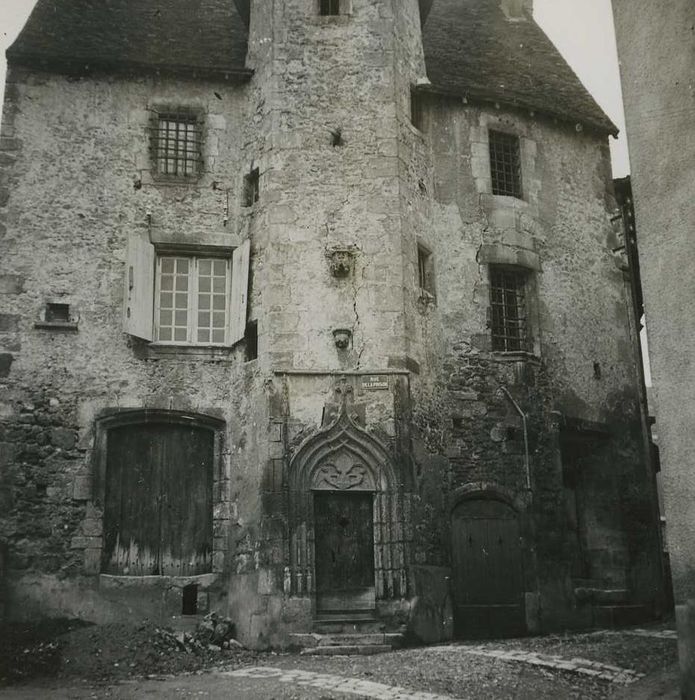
(527, 464)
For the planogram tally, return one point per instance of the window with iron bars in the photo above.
(509, 313)
(176, 144)
(329, 7)
(505, 164)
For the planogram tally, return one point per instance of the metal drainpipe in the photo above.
(505, 391)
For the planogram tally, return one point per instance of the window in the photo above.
(425, 270)
(505, 164)
(176, 144)
(329, 7)
(251, 188)
(58, 313)
(180, 299)
(252, 341)
(415, 109)
(192, 300)
(508, 308)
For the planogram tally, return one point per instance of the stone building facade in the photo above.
(310, 315)
(656, 47)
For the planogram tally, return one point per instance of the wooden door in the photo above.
(487, 571)
(158, 500)
(344, 551)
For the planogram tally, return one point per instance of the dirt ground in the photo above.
(67, 659)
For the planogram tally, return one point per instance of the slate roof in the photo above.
(185, 37)
(471, 48)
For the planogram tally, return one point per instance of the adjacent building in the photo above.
(310, 313)
(656, 46)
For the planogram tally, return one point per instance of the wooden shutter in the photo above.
(139, 287)
(240, 286)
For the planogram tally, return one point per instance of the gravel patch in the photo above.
(458, 675)
(618, 648)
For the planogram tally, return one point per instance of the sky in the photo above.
(581, 29)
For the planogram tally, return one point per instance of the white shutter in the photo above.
(240, 286)
(139, 287)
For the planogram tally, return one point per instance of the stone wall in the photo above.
(582, 367)
(76, 163)
(655, 46)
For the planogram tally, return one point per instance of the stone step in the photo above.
(348, 650)
(358, 639)
(360, 643)
(367, 627)
(613, 616)
(346, 616)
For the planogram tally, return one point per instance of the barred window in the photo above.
(505, 164)
(192, 300)
(508, 308)
(329, 7)
(176, 144)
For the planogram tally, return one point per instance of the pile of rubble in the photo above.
(117, 650)
(214, 632)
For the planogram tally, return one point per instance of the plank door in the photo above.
(158, 500)
(186, 502)
(487, 571)
(344, 551)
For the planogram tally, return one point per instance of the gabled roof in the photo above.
(184, 37)
(473, 49)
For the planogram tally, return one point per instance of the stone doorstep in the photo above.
(351, 639)
(325, 627)
(348, 650)
(342, 643)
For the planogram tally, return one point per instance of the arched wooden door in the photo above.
(158, 500)
(488, 588)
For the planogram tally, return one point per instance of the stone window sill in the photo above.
(327, 20)
(153, 351)
(507, 201)
(175, 180)
(516, 356)
(57, 325)
(114, 581)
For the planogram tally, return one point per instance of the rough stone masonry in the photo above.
(310, 317)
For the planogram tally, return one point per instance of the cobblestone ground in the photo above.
(587, 666)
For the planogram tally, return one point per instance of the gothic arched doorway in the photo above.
(347, 544)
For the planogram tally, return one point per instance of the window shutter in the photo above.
(240, 286)
(139, 287)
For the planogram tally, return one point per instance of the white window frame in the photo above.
(192, 309)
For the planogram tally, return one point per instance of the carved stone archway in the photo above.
(343, 457)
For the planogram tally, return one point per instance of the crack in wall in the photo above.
(357, 322)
